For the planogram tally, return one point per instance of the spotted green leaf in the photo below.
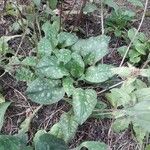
(139, 133)
(142, 94)
(63, 55)
(122, 50)
(84, 101)
(97, 46)
(98, 74)
(89, 7)
(68, 126)
(56, 130)
(29, 61)
(140, 114)
(136, 2)
(47, 141)
(8, 142)
(45, 47)
(120, 124)
(140, 36)
(118, 97)
(24, 74)
(51, 32)
(45, 91)
(3, 108)
(68, 86)
(50, 67)
(76, 65)
(92, 145)
(67, 39)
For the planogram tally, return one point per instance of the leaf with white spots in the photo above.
(84, 101)
(29, 61)
(24, 74)
(97, 46)
(98, 74)
(56, 130)
(47, 141)
(51, 32)
(50, 67)
(63, 55)
(45, 91)
(68, 86)
(66, 39)
(76, 65)
(9, 142)
(92, 145)
(68, 125)
(44, 47)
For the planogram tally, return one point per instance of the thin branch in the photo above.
(113, 86)
(102, 17)
(139, 27)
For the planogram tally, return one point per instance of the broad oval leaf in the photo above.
(92, 145)
(119, 97)
(3, 108)
(47, 141)
(136, 2)
(89, 7)
(50, 67)
(84, 101)
(140, 114)
(97, 46)
(67, 39)
(142, 94)
(24, 74)
(120, 124)
(98, 74)
(29, 61)
(8, 142)
(45, 91)
(68, 126)
(56, 130)
(63, 55)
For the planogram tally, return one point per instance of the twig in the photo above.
(113, 86)
(139, 27)
(102, 17)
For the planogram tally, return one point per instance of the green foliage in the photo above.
(84, 102)
(47, 141)
(7, 142)
(92, 145)
(98, 74)
(139, 48)
(3, 108)
(119, 21)
(67, 68)
(45, 91)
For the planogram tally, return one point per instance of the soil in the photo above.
(21, 107)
